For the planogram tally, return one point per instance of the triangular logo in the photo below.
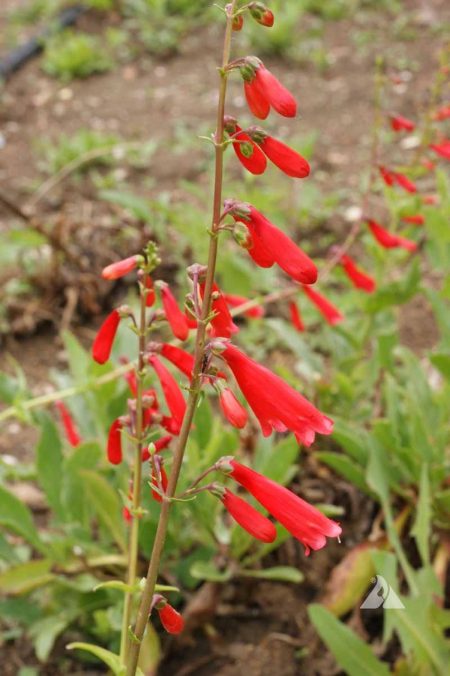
(382, 595)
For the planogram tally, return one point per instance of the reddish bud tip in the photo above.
(171, 619)
(232, 409)
(120, 268)
(102, 346)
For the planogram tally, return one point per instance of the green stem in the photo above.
(160, 536)
(133, 547)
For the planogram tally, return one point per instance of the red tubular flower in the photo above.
(176, 318)
(271, 245)
(414, 219)
(442, 114)
(172, 393)
(130, 377)
(164, 481)
(120, 268)
(222, 324)
(263, 90)
(275, 403)
(160, 444)
(404, 182)
(248, 153)
(442, 149)
(358, 278)
(327, 309)
(400, 123)
(101, 349)
(238, 22)
(387, 176)
(235, 301)
(286, 159)
(150, 296)
(179, 358)
(248, 517)
(296, 319)
(233, 411)
(171, 620)
(301, 519)
(68, 422)
(388, 240)
(114, 446)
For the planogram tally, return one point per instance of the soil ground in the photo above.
(262, 628)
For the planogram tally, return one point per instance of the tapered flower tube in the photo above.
(222, 324)
(114, 445)
(177, 319)
(388, 240)
(236, 301)
(296, 319)
(358, 278)
(263, 90)
(283, 157)
(247, 152)
(183, 361)
(392, 177)
(120, 268)
(400, 123)
(159, 476)
(150, 295)
(271, 245)
(248, 517)
(232, 409)
(171, 619)
(301, 519)
(68, 422)
(442, 149)
(276, 404)
(102, 346)
(172, 393)
(329, 311)
(414, 219)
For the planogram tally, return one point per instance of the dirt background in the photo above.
(260, 629)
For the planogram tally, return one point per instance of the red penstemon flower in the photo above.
(177, 319)
(296, 319)
(120, 268)
(150, 295)
(271, 245)
(162, 478)
(400, 123)
(301, 519)
(414, 219)
(68, 422)
(275, 403)
(442, 113)
(172, 393)
(388, 240)
(442, 148)
(327, 309)
(393, 177)
(248, 517)
(238, 22)
(102, 346)
(222, 324)
(247, 152)
(171, 619)
(114, 445)
(286, 159)
(236, 301)
(263, 90)
(233, 411)
(130, 377)
(183, 361)
(358, 278)
(159, 445)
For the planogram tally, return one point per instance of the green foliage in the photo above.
(71, 54)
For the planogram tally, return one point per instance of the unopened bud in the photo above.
(229, 123)
(238, 22)
(261, 14)
(242, 236)
(224, 463)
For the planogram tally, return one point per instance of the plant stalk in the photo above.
(160, 536)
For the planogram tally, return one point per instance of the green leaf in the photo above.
(106, 504)
(346, 467)
(16, 517)
(351, 653)
(137, 206)
(282, 573)
(441, 361)
(49, 464)
(26, 576)
(106, 656)
(73, 492)
(352, 439)
(206, 570)
(422, 525)
(119, 585)
(45, 632)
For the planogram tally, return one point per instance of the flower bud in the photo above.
(238, 22)
(261, 14)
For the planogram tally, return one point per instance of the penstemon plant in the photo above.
(277, 406)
